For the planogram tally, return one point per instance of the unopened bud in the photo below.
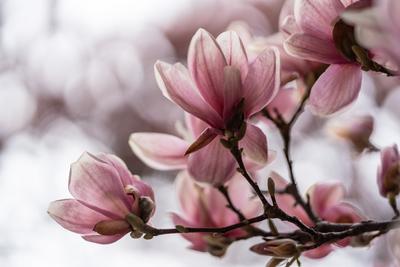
(112, 227)
(279, 248)
(217, 244)
(389, 172)
(146, 207)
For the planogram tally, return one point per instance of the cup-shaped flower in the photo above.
(326, 200)
(205, 206)
(378, 28)
(221, 87)
(357, 130)
(389, 172)
(319, 36)
(279, 248)
(213, 164)
(104, 192)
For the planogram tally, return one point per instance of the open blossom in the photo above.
(212, 164)
(205, 206)
(378, 28)
(221, 87)
(389, 172)
(104, 193)
(326, 200)
(313, 39)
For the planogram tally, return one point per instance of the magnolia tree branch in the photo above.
(285, 130)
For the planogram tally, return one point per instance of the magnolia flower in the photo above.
(222, 88)
(326, 200)
(389, 172)
(378, 28)
(205, 206)
(312, 37)
(212, 164)
(356, 130)
(104, 192)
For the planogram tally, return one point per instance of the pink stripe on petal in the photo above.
(335, 89)
(317, 17)
(233, 91)
(74, 216)
(254, 145)
(213, 164)
(159, 151)
(97, 184)
(262, 82)
(177, 85)
(312, 48)
(234, 51)
(206, 63)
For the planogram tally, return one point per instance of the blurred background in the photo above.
(77, 75)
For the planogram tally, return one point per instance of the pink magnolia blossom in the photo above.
(221, 84)
(205, 206)
(212, 164)
(312, 39)
(104, 193)
(389, 172)
(326, 201)
(378, 28)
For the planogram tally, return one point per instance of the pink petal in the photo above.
(188, 192)
(342, 213)
(120, 166)
(335, 89)
(74, 216)
(289, 26)
(254, 145)
(234, 51)
(232, 91)
(176, 84)
(159, 151)
(286, 202)
(317, 17)
(103, 239)
(197, 239)
(202, 140)
(206, 63)
(320, 252)
(312, 48)
(241, 195)
(195, 125)
(213, 164)
(325, 195)
(98, 184)
(262, 82)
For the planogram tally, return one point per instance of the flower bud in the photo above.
(356, 130)
(279, 248)
(389, 172)
(112, 227)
